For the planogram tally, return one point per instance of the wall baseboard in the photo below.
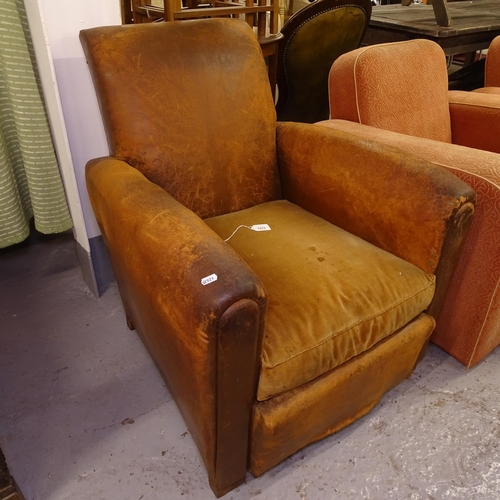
(103, 269)
(96, 267)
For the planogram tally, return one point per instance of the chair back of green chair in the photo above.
(313, 38)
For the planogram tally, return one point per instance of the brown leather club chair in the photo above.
(312, 39)
(391, 94)
(268, 339)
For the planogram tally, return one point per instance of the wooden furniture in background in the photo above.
(8, 487)
(475, 24)
(441, 12)
(140, 11)
(261, 15)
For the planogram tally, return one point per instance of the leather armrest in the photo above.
(140, 219)
(199, 335)
(475, 120)
(390, 198)
(473, 285)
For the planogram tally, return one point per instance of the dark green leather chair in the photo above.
(313, 38)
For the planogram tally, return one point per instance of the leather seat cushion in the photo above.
(331, 295)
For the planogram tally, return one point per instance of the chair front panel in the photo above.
(286, 423)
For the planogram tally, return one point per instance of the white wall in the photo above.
(63, 21)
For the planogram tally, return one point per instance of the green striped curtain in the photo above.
(30, 183)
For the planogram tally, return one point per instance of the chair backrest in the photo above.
(401, 87)
(312, 39)
(492, 70)
(189, 105)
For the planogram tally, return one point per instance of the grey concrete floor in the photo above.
(84, 413)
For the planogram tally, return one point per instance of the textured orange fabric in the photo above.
(334, 400)
(487, 90)
(381, 86)
(475, 120)
(331, 295)
(467, 326)
(492, 70)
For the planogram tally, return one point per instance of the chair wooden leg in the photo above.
(129, 323)
(221, 491)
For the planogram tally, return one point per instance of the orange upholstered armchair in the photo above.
(282, 276)
(492, 69)
(397, 94)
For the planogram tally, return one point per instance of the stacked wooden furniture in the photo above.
(8, 488)
(261, 15)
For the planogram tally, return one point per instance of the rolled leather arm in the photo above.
(199, 335)
(390, 198)
(475, 120)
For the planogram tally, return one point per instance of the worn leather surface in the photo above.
(312, 39)
(467, 327)
(492, 70)
(181, 101)
(334, 400)
(382, 86)
(475, 120)
(227, 124)
(160, 251)
(354, 178)
(345, 294)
